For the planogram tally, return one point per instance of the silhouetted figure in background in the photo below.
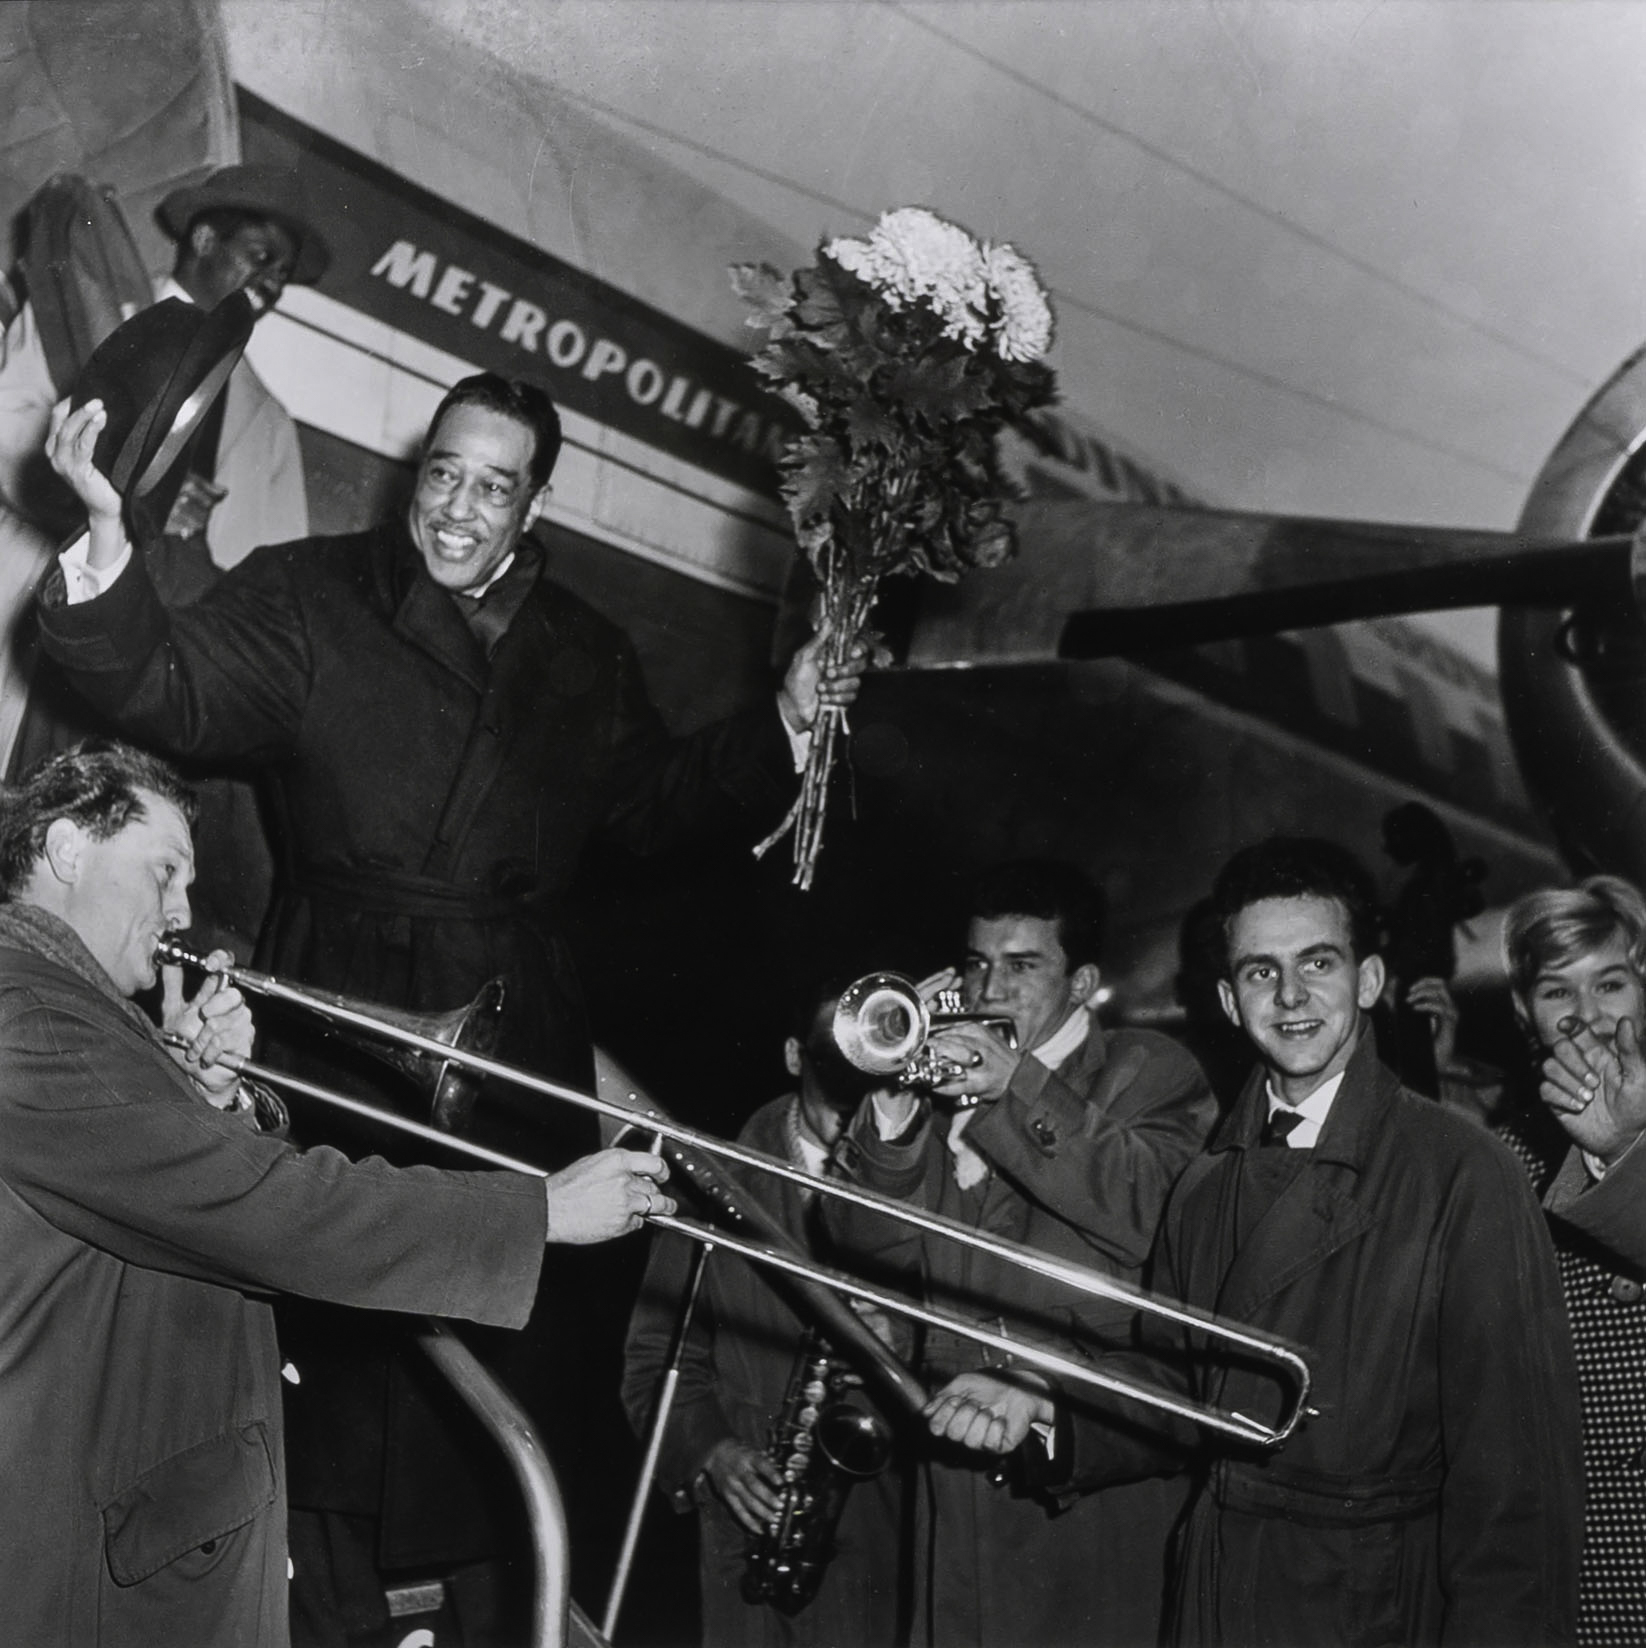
(1219, 1048)
(1441, 890)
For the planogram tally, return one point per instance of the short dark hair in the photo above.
(1299, 867)
(1051, 890)
(517, 399)
(807, 996)
(95, 785)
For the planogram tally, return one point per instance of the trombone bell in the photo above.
(473, 1029)
(451, 1085)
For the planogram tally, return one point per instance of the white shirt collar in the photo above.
(813, 1157)
(1312, 1112)
(497, 572)
(168, 288)
(1066, 1040)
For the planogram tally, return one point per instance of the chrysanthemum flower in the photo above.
(912, 254)
(1023, 329)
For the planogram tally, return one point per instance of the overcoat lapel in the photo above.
(513, 703)
(425, 615)
(1320, 1211)
(428, 619)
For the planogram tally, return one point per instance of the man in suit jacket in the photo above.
(1069, 1142)
(442, 725)
(145, 1221)
(1434, 1493)
(240, 228)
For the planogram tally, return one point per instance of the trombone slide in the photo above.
(621, 1100)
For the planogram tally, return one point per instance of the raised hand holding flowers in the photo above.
(905, 353)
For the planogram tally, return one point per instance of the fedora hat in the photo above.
(157, 376)
(271, 192)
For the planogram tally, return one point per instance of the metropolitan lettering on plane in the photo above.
(422, 265)
(571, 347)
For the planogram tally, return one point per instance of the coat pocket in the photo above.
(187, 1501)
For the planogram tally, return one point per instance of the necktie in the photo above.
(1278, 1128)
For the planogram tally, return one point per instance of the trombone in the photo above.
(618, 1099)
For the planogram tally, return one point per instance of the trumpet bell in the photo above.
(880, 1023)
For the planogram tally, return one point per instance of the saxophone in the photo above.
(822, 1442)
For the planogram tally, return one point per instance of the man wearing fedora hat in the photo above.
(239, 229)
(243, 229)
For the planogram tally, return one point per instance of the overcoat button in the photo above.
(1626, 1290)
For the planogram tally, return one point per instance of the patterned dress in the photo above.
(1606, 1302)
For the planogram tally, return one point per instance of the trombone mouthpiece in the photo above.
(169, 951)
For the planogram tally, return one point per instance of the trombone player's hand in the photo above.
(747, 1481)
(215, 1020)
(605, 1195)
(987, 1412)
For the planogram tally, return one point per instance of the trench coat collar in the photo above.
(1322, 1209)
(512, 700)
(25, 926)
(1353, 1125)
(425, 615)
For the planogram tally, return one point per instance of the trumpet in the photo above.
(765, 1243)
(883, 1027)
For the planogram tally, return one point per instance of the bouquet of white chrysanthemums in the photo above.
(905, 354)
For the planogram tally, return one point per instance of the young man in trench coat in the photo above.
(1433, 1494)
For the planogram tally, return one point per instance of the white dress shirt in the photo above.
(1311, 1112)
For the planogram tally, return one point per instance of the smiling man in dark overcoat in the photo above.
(441, 728)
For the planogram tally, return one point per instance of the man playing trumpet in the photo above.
(1068, 1142)
(145, 1220)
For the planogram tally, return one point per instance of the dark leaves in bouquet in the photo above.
(899, 471)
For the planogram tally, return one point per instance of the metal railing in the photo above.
(505, 1421)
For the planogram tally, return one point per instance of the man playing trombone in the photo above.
(1067, 1142)
(145, 1219)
